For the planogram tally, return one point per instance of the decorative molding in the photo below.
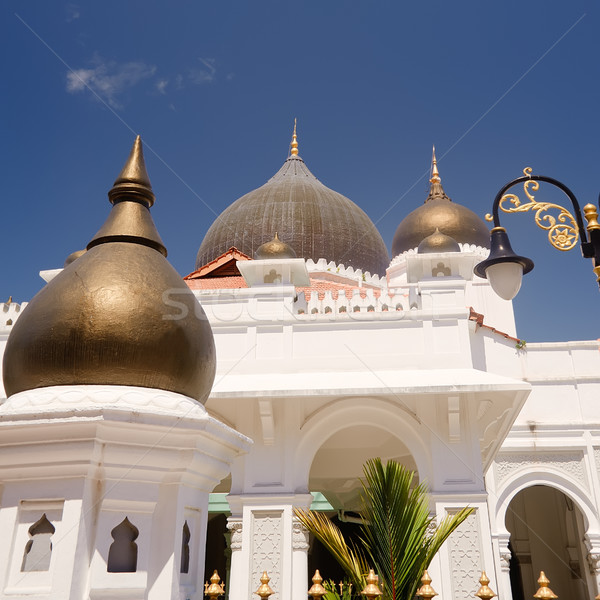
(593, 559)
(266, 538)
(465, 558)
(235, 529)
(570, 463)
(77, 398)
(299, 536)
(349, 272)
(465, 248)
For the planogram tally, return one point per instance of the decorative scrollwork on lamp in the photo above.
(563, 232)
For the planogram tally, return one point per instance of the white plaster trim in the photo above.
(77, 398)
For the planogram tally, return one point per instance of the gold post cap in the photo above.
(426, 591)
(590, 212)
(372, 590)
(485, 592)
(544, 592)
(294, 150)
(215, 589)
(264, 590)
(317, 590)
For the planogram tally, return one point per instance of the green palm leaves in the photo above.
(397, 537)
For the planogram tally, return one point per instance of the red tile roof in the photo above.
(220, 267)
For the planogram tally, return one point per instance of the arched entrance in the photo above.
(546, 534)
(335, 473)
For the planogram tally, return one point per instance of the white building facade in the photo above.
(322, 366)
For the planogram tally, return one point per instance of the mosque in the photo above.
(154, 428)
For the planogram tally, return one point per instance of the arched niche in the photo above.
(546, 530)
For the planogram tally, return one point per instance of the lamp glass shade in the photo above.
(505, 278)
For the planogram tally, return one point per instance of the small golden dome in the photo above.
(118, 315)
(439, 212)
(438, 242)
(74, 256)
(274, 249)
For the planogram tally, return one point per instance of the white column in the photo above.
(502, 556)
(236, 582)
(299, 560)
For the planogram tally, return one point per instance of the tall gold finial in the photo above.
(294, 151)
(544, 593)
(435, 174)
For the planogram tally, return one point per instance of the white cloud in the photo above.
(73, 12)
(205, 74)
(108, 79)
(161, 86)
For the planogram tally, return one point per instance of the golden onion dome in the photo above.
(118, 315)
(439, 212)
(315, 220)
(438, 242)
(274, 249)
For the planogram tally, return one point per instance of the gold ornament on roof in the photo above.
(485, 592)
(294, 150)
(544, 592)
(426, 591)
(372, 590)
(435, 174)
(264, 591)
(317, 590)
(562, 229)
(215, 589)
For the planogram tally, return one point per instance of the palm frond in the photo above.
(350, 558)
(395, 535)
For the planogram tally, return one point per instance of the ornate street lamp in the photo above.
(503, 268)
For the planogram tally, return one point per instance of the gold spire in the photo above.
(131, 196)
(294, 151)
(133, 179)
(435, 174)
(436, 191)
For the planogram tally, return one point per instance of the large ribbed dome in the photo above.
(314, 220)
(439, 212)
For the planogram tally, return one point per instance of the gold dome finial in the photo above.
(131, 197)
(436, 191)
(133, 179)
(294, 150)
(435, 174)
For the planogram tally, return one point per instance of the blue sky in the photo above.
(213, 88)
